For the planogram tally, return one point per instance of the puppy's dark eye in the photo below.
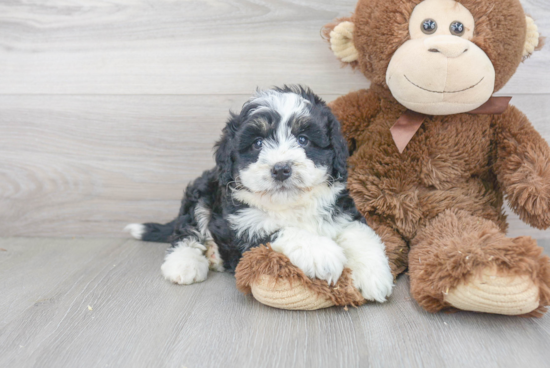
(258, 143)
(429, 26)
(303, 141)
(457, 28)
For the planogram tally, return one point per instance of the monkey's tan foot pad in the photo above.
(493, 293)
(273, 280)
(281, 294)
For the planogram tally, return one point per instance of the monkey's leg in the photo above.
(467, 262)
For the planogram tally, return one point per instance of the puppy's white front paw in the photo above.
(185, 265)
(322, 259)
(367, 260)
(374, 284)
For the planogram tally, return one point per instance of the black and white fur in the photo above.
(280, 177)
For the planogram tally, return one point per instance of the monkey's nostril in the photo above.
(433, 50)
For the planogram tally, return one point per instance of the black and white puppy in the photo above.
(280, 178)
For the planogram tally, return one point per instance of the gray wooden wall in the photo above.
(108, 108)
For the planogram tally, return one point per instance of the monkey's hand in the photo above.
(523, 168)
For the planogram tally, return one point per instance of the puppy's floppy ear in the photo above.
(340, 147)
(224, 150)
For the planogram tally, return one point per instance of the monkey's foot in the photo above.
(491, 292)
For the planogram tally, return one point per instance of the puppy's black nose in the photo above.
(281, 171)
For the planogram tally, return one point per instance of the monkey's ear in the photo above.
(340, 36)
(532, 40)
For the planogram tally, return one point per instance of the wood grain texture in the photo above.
(88, 165)
(162, 76)
(137, 319)
(190, 47)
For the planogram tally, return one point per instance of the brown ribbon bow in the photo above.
(408, 124)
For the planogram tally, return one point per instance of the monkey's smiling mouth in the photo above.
(425, 89)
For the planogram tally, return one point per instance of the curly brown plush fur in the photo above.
(382, 26)
(444, 195)
(456, 246)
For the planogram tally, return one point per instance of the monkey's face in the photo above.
(440, 71)
(437, 57)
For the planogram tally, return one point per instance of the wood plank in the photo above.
(140, 320)
(89, 158)
(31, 269)
(88, 165)
(190, 47)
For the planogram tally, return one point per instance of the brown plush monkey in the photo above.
(434, 155)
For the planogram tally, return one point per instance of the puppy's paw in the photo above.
(322, 258)
(367, 260)
(213, 255)
(185, 265)
(375, 283)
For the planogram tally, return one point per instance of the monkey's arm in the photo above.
(354, 111)
(523, 167)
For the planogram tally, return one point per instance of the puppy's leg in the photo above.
(215, 261)
(202, 215)
(316, 255)
(185, 262)
(367, 259)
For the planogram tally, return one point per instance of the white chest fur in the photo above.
(312, 210)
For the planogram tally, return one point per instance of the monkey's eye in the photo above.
(429, 26)
(457, 28)
(258, 143)
(303, 141)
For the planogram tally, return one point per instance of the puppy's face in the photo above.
(284, 146)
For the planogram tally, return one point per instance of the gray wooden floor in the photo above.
(103, 303)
